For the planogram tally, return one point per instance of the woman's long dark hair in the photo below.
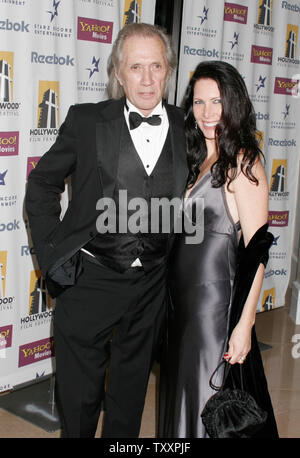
(235, 132)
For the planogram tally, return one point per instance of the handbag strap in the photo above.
(226, 372)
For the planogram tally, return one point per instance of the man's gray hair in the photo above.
(115, 90)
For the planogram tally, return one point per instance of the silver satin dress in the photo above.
(200, 280)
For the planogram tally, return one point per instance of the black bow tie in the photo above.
(135, 119)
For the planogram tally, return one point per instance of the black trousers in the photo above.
(106, 320)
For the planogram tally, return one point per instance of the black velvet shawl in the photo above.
(249, 259)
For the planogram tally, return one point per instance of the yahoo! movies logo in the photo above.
(261, 55)
(34, 352)
(132, 11)
(5, 336)
(278, 218)
(31, 164)
(235, 13)
(9, 143)
(94, 30)
(286, 86)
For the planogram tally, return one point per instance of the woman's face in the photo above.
(207, 106)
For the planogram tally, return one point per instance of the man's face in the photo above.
(143, 71)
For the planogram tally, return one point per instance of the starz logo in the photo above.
(286, 112)
(204, 17)
(54, 10)
(261, 83)
(235, 40)
(94, 67)
(2, 176)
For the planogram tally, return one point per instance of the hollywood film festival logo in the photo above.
(8, 106)
(268, 299)
(290, 48)
(132, 12)
(264, 18)
(40, 308)
(278, 184)
(47, 112)
(6, 301)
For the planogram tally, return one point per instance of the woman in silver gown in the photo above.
(225, 170)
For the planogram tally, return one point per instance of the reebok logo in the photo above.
(16, 26)
(51, 59)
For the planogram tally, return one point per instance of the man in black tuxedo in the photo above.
(109, 283)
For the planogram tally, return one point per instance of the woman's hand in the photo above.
(239, 344)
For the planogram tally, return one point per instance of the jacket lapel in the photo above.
(108, 143)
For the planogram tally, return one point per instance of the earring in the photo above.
(196, 125)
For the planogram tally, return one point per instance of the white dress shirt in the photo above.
(148, 140)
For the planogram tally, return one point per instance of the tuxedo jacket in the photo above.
(86, 150)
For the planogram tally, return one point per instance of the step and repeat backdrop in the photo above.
(261, 39)
(52, 54)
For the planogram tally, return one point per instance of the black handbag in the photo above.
(232, 413)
